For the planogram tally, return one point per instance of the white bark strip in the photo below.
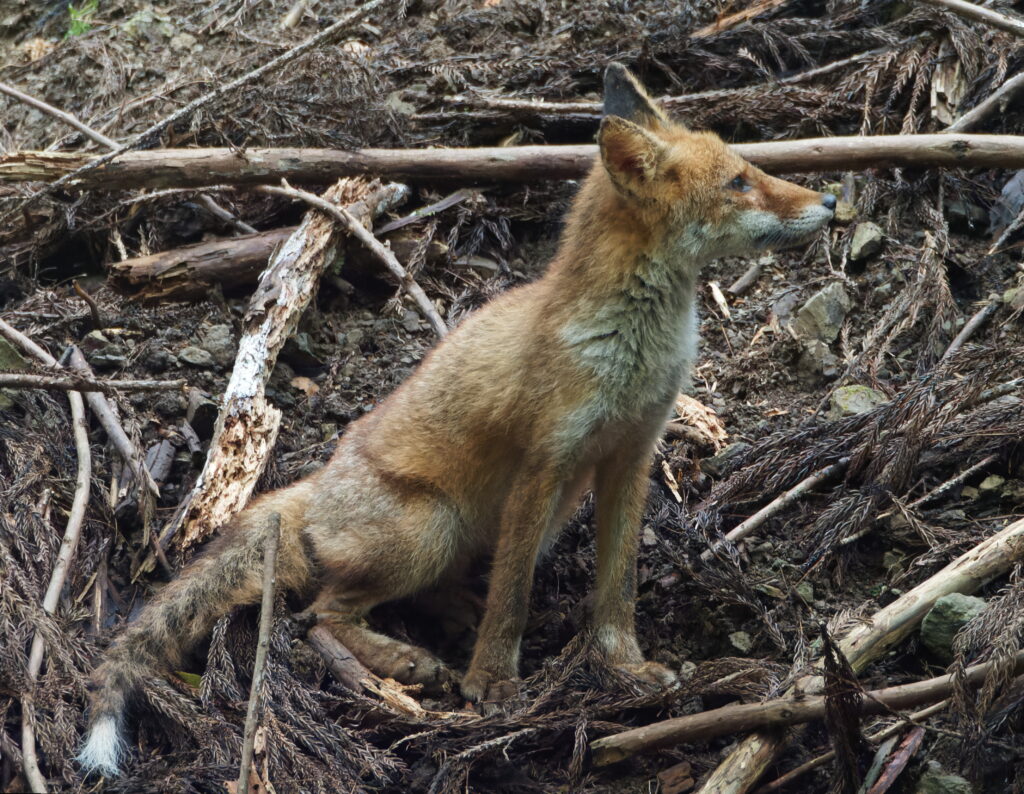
(247, 426)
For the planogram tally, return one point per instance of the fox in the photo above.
(554, 388)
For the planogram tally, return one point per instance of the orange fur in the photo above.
(553, 388)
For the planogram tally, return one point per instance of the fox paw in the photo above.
(414, 666)
(483, 687)
(652, 673)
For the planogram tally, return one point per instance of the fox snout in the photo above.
(792, 223)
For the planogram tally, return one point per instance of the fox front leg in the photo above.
(622, 484)
(528, 514)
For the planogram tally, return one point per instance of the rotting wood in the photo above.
(165, 168)
(247, 426)
(189, 272)
(790, 710)
(870, 639)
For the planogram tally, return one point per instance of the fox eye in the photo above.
(739, 184)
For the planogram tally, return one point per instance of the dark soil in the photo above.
(739, 627)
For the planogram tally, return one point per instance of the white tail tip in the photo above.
(104, 748)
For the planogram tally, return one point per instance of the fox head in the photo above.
(709, 201)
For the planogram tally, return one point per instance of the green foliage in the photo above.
(81, 18)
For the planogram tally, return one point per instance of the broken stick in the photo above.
(247, 426)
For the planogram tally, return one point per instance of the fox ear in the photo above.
(625, 97)
(630, 154)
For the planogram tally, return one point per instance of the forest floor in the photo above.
(836, 352)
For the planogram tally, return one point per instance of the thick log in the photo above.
(165, 168)
(189, 271)
(780, 712)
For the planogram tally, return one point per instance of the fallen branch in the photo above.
(870, 639)
(357, 230)
(778, 504)
(979, 14)
(24, 380)
(148, 135)
(271, 539)
(882, 735)
(68, 547)
(247, 425)
(189, 272)
(164, 168)
(776, 713)
(898, 762)
(997, 101)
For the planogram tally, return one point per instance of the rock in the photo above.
(822, 315)
(717, 465)
(853, 400)
(158, 360)
(411, 321)
(937, 781)
(1013, 491)
(201, 414)
(805, 590)
(197, 357)
(219, 342)
(867, 241)
(10, 358)
(93, 341)
(965, 217)
(102, 353)
(818, 359)
(845, 213)
(991, 483)
(1014, 298)
(300, 351)
(182, 42)
(970, 492)
(399, 105)
(945, 619)
(741, 641)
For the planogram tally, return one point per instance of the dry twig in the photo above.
(271, 539)
(979, 14)
(26, 380)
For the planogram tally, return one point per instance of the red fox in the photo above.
(554, 388)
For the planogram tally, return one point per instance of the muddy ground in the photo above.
(837, 351)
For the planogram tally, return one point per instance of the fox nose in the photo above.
(829, 201)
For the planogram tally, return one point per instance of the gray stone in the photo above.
(991, 483)
(937, 781)
(818, 359)
(182, 42)
(822, 315)
(10, 358)
(219, 342)
(867, 241)
(946, 618)
(411, 321)
(197, 357)
(963, 216)
(93, 341)
(717, 465)
(741, 641)
(853, 400)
